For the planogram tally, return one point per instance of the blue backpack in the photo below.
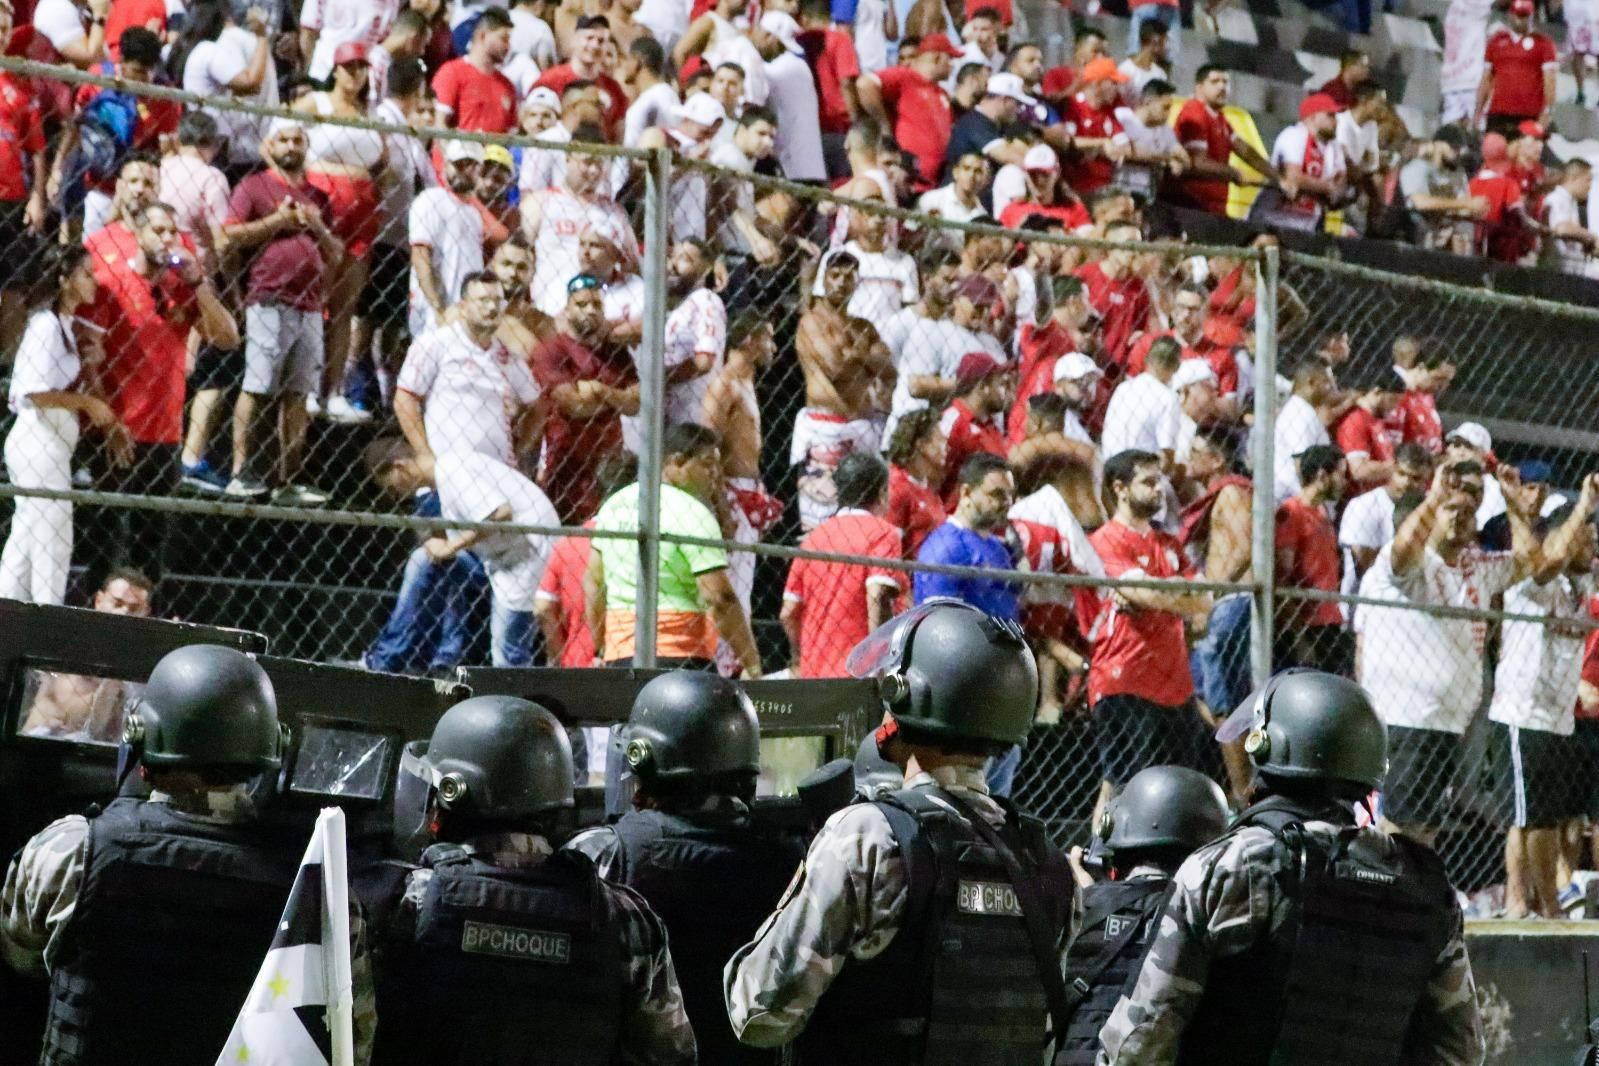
(106, 129)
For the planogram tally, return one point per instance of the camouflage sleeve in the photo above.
(40, 893)
(1217, 909)
(655, 1027)
(1448, 1012)
(845, 901)
(365, 1013)
(601, 845)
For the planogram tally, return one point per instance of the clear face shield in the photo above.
(413, 801)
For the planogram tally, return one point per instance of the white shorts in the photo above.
(1582, 29)
(821, 440)
(1459, 105)
(282, 350)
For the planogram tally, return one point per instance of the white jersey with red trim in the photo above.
(555, 249)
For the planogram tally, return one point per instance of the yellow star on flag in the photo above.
(278, 985)
(244, 1054)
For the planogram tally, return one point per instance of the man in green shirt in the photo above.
(697, 602)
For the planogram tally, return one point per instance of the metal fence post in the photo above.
(1263, 515)
(652, 405)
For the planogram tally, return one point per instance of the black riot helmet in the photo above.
(952, 674)
(495, 759)
(1167, 808)
(206, 706)
(1309, 726)
(691, 725)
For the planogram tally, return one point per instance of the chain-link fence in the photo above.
(396, 395)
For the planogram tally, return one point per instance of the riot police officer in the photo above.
(173, 900)
(690, 846)
(926, 925)
(502, 949)
(1300, 936)
(1163, 814)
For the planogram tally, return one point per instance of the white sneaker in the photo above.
(341, 410)
(313, 404)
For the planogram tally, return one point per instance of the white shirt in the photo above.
(471, 488)
(1292, 148)
(943, 202)
(1010, 184)
(1146, 140)
(1535, 684)
(1368, 522)
(1137, 78)
(1298, 427)
(731, 46)
(729, 156)
(698, 324)
(531, 36)
(1423, 671)
(1561, 207)
(655, 106)
(1465, 45)
(887, 281)
(408, 162)
(921, 347)
(198, 193)
(453, 229)
(342, 21)
(1144, 413)
(1048, 507)
(60, 21)
(472, 394)
(667, 20)
(1357, 141)
(207, 72)
(555, 249)
(871, 43)
(47, 361)
(792, 96)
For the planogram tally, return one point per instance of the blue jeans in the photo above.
(1220, 661)
(427, 630)
(1172, 17)
(511, 633)
(1001, 772)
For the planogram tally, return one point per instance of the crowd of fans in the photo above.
(950, 397)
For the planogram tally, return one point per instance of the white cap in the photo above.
(1472, 433)
(1040, 157)
(543, 96)
(283, 125)
(1009, 85)
(455, 151)
(1192, 372)
(703, 109)
(781, 24)
(1074, 366)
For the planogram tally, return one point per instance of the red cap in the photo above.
(974, 367)
(1523, 8)
(938, 42)
(349, 52)
(1057, 80)
(1530, 128)
(1318, 104)
(1103, 69)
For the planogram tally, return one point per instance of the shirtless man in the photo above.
(77, 707)
(849, 379)
(731, 410)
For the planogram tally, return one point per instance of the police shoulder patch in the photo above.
(988, 897)
(510, 942)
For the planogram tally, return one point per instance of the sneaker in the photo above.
(201, 478)
(242, 489)
(313, 404)
(298, 496)
(342, 410)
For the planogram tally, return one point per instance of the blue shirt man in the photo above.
(972, 536)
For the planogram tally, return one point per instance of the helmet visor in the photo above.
(1246, 716)
(412, 794)
(883, 650)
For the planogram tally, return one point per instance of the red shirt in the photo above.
(1139, 653)
(288, 268)
(1307, 558)
(1038, 378)
(1340, 91)
(573, 447)
(1123, 307)
(151, 14)
(482, 102)
(1016, 212)
(612, 98)
(1204, 131)
(1043, 342)
(1416, 419)
(21, 136)
(1503, 229)
(922, 118)
(832, 596)
(562, 584)
(1088, 173)
(965, 435)
(146, 342)
(1221, 361)
(1518, 64)
(1590, 658)
(913, 506)
(833, 61)
(1360, 432)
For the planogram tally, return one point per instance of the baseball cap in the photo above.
(938, 42)
(1521, 7)
(1103, 69)
(1009, 86)
(499, 155)
(456, 151)
(1074, 366)
(1040, 157)
(979, 290)
(1056, 81)
(1533, 129)
(1535, 470)
(1472, 433)
(283, 125)
(1318, 104)
(349, 52)
(781, 24)
(543, 96)
(974, 367)
(1192, 372)
(703, 109)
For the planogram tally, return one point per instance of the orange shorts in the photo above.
(357, 209)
